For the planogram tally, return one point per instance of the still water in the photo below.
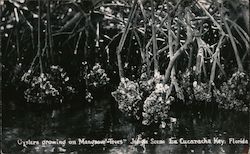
(100, 128)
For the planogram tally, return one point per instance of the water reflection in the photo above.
(101, 121)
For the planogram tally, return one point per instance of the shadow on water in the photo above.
(101, 120)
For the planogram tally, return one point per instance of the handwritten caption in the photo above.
(134, 141)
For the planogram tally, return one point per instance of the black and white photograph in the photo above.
(124, 76)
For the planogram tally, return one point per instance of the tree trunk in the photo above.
(212, 75)
(39, 37)
(236, 52)
(156, 67)
(123, 39)
(50, 41)
(182, 48)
